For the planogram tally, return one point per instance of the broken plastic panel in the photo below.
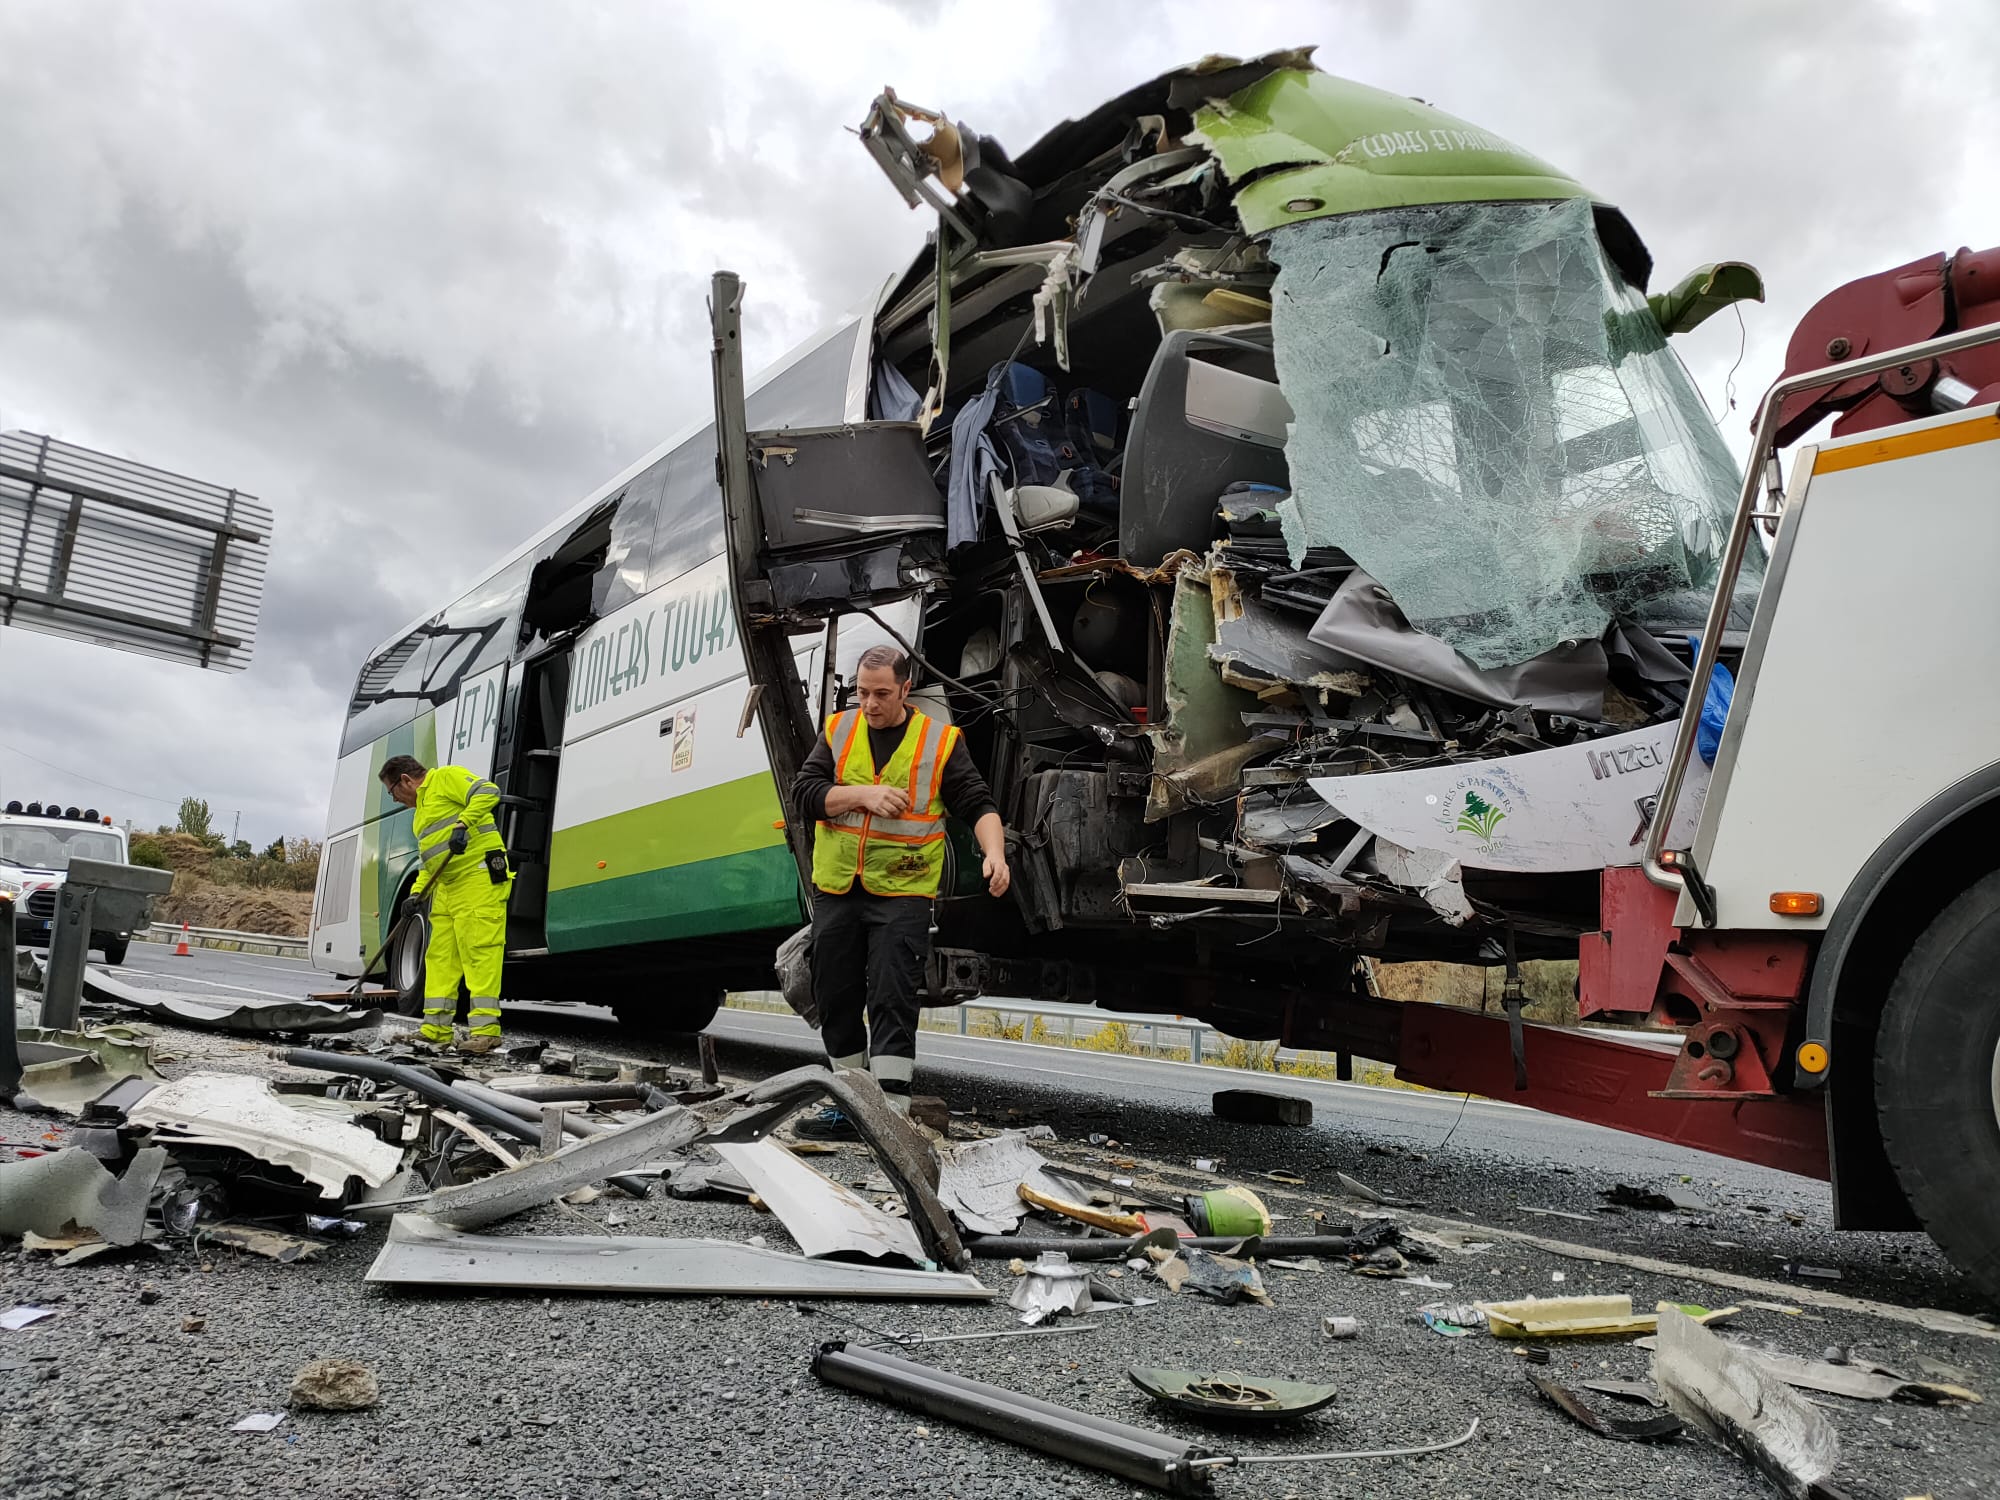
(1489, 421)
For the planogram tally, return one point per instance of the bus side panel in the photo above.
(335, 935)
(666, 822)
(629, 865)
(388, 847)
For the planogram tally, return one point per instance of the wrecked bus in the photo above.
(1289, 491)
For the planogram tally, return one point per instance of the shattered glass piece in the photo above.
(1488, 420)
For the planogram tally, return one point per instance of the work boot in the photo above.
(479, 1046)
(829, 1124)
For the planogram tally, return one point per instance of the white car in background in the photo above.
(36, 846)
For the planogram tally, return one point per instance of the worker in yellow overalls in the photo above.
(465, 879)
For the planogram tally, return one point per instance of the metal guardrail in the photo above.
(226, 939)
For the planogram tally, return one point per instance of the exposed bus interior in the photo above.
(1154, 644)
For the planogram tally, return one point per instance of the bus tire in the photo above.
(668, 1018)
(1937, 1081)
(406, 965)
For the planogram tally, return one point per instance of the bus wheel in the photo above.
(406, 965)
(1937, 1081)
(681, 1015)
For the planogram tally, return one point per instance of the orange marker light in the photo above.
(1795, 903)
(1812, 1058)
(600, 864)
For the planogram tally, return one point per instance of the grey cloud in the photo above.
(425, 276)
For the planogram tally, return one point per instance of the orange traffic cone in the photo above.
(181, 948)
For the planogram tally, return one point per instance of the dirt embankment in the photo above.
(201, 903)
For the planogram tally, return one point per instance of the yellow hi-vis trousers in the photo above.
(468, 941)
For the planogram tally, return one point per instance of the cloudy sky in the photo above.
(422, 276)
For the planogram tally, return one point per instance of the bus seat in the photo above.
(1199, 426)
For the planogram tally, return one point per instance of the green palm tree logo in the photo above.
(1480, 817)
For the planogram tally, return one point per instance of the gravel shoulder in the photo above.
(503, 1394)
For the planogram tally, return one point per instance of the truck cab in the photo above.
(37, 843)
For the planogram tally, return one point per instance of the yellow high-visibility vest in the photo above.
(892, 856)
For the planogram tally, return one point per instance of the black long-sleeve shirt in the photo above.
(966, 796)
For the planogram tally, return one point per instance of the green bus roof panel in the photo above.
(1302, 144)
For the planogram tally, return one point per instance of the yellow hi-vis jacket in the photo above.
(448, 797)
(893, 856)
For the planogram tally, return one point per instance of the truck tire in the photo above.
(115, 949)
(1937, 1081)
(679, 1016)
(406, 965)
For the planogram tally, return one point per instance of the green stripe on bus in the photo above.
(734, 893)
(733, 818)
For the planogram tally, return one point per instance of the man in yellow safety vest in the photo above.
(465, 876)
(877, 786)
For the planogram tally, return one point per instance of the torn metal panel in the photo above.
(1619, 1429)
(544, 1179)
(421, 1252)
(228, 1109)
(1203, 713)
(66, 1071)
(1577, 807)
(257, 1240)
(1733, 1400)
(1270, 823)
(978, 1181)
(1432, 875)
(904, 1154)
(70, 1188)
(823, 1216)
(1856, 1382)
(1364, 625)
(1260, 649)
(247, 1016)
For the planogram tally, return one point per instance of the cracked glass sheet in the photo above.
(1489, 421)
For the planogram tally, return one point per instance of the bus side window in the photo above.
(690, 529)
(627, 571)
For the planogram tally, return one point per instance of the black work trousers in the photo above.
(868, 959)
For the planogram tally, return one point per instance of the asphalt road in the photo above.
(502, 1394)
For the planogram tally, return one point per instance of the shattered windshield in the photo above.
(31, 847)
(1488, 421)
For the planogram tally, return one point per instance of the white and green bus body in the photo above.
(595, 676)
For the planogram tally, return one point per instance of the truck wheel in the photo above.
(406, 965)
(666, 1017)
(115, 950)
(1937, 1081)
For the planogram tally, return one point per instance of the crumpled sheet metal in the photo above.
(544, 1179)
(979, 1181)
(905, 1156)
(66, 1070)
(420, 1252)
(229, 1109)
(1489, 421)
(825, 1217)
(1259, 648)
(249, 1016)
(48, 1194)
(1715, 1387)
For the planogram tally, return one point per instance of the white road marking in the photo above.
(207, 984)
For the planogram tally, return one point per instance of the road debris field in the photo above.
(338, 1263)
